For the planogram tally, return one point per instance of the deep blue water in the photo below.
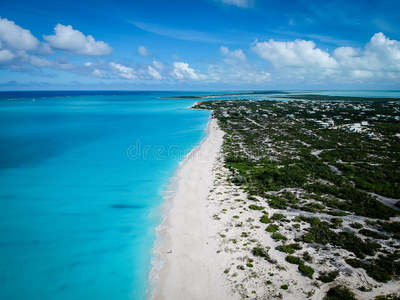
(77, 215)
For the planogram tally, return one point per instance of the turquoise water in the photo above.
(77, 214)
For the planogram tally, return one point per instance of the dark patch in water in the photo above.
(125, 206)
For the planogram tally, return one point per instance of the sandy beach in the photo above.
(209, 234)
(191, 269)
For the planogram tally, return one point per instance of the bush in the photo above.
(337, 213)
(336, 222)
(284, 287)
(289, 248)
(293, 260)
(306, 270)
(264, 219)
(328, 276)
(356, 225)
(307, 256)
(373, 234)
(286, 249)
(277, 202)
(339, 293)
(260, 252)
(255, 207)
(381, 269)
(320, 233)
(278, 237)
(277, 217)
(272, 228)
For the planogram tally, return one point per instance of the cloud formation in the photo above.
(239, 3)
(6, 55)
(67, 39)
(154, 73)
(299, 53)
(182, 70)
(16, 37)
(143, 51)
(233, 54)
(122, 71)
(379, 59)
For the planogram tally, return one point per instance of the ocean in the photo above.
(79, 202)
(82, 176)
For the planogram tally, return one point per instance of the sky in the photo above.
(199, 45)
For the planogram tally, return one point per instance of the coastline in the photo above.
(169, 193)
(188, 271)
(210, 233)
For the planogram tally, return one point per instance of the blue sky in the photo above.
(199, 44)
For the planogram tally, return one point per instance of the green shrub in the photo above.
(293, 260)
(264, 219)
(320, 233)
(339, 293)
(328, 276)
(278, 237)
(284, 287)
(286, 249)
(290, 249)
(336, 222)
(337, 213)
(272, 228)
(260, 252)
(373, 234)
(306, 270)
(356, 225)
(256, 207)
(307, 256)
(277, 217)
(277, 202)
(382, 268)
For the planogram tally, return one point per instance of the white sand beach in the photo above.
(192, 270)
(209, 234)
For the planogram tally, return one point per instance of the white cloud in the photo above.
(143, 51)
(98, 73)
(73, 41)
(380, 54)
(182, 70)
(232, 55)
(239, 3)
(6, 55)
(44, 49)
(16, 37)
(379, 60)
(154, 73)
(122, 71)
(158, 65)
(39, 62)
(299, 53)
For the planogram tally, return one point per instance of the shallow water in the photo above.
(77, 214)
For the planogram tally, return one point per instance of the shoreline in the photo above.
(184, 251)
(168, 194)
